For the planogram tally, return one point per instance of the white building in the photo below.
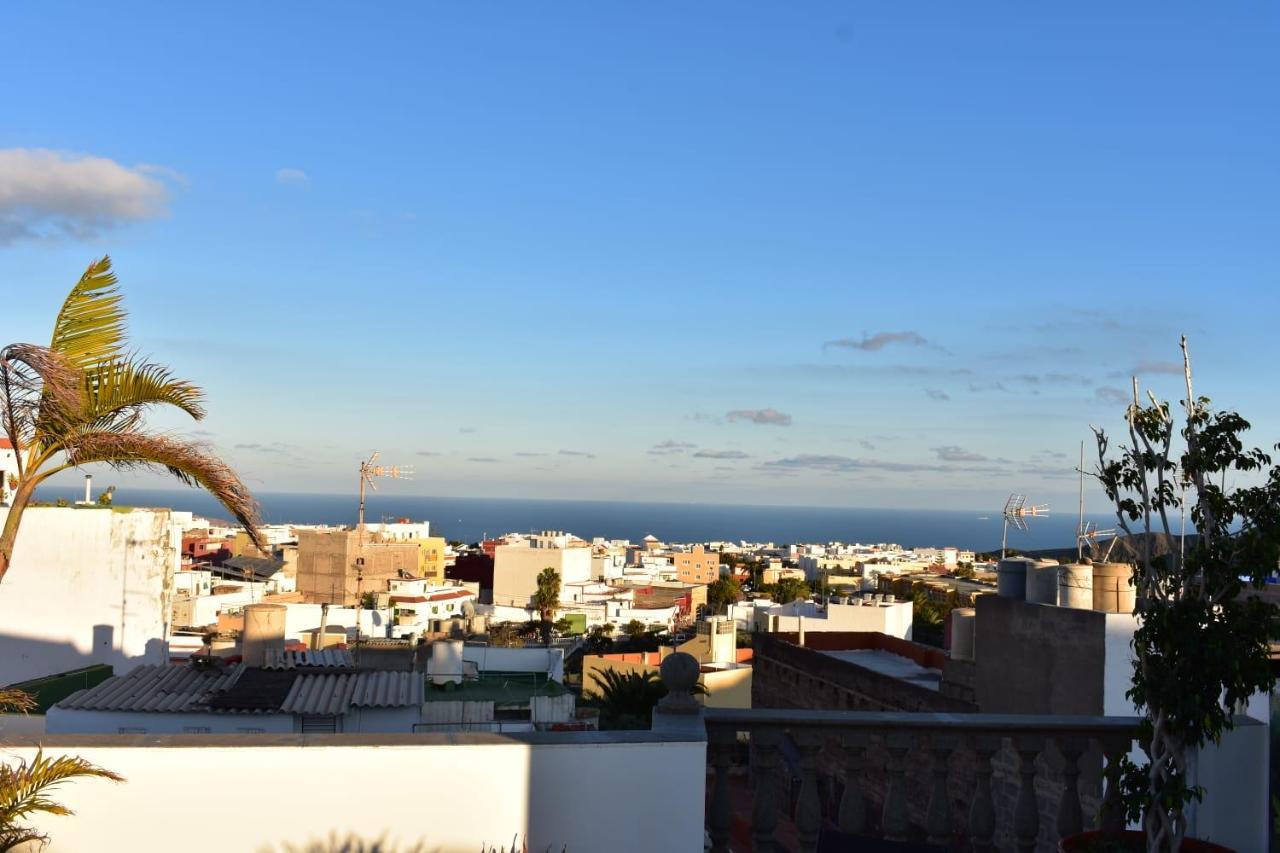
(87, 585)
(516, 567)
(401, 531)
(892, 618)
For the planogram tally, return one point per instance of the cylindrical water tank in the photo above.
(963, 632)
(1011, 578)
(1042, 581)
(1075, 586)
(1113, 590)
(446, 661)
(263, 629)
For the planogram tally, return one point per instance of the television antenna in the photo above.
(1088, 537)
(1087, 533)
(1017, 512)
(369, 470)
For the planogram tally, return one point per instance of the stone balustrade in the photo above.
(853, 770)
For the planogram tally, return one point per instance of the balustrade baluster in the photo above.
(1111, 816)
(1026, 820)
(764, 814)
(852, 817)
(894, 818)
(808, 815)
(721, 819)
(1070, 814)
(982, 811)
(938, 821)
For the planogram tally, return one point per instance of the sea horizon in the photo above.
(470, 519)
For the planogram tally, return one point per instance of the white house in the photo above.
(87, 585)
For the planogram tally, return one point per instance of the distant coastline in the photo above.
(469, 519)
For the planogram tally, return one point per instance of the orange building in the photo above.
(697, 566)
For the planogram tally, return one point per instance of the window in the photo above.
(195, 730)
(251, 731)
(129, 730)
(315, 724)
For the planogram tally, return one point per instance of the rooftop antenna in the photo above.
(1087, 533)
(368, 470)
(1017, 512)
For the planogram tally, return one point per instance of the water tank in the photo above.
(446, 661)
(263, 629)
(1011, 578)
(1042, 581)
(963, 630)
(1075, 586)
(1113, 590)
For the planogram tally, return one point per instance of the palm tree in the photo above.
(25, 787)
(546, 599)
(627, 699)
(81, 400)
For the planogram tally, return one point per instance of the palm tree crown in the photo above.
(81, 400)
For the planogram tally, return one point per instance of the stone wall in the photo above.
(788, 676)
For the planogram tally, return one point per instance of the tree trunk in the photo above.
(9, 534)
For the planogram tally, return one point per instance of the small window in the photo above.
(129, 730)
(251, 731)
(195, 730)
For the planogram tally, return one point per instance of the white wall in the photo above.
(1235, 810)
(87, 586)
(493, 658)
(77, 721)
(621, 792)
(893, 619)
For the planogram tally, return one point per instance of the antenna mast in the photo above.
(368, 470)
(1017, 512)
(1080, 523)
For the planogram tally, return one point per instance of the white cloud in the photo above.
(291, 177)
(50, 194)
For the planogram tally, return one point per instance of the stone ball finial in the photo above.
(680, 672)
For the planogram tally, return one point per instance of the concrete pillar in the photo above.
(963, 633)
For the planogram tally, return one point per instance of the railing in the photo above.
(948, 765)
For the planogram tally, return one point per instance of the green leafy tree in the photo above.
(1201, 646)
(723, 592)
(546, 599)
(789, 589)
(634, 629)
(81, 400)
(26, 787)
(563, 625)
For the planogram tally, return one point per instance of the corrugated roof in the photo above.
(323, 658)
(155, 688)
(335, 693)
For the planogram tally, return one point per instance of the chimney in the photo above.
(88, 488)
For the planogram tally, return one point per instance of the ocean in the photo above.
(470, 519)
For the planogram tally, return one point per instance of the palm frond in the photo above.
(90, 328)
(187, 461)
(13, 699)
(41, 392)
(118, 391)
(24, 787)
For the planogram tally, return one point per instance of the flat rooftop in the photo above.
(894, 666)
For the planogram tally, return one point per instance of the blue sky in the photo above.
(915, 247)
